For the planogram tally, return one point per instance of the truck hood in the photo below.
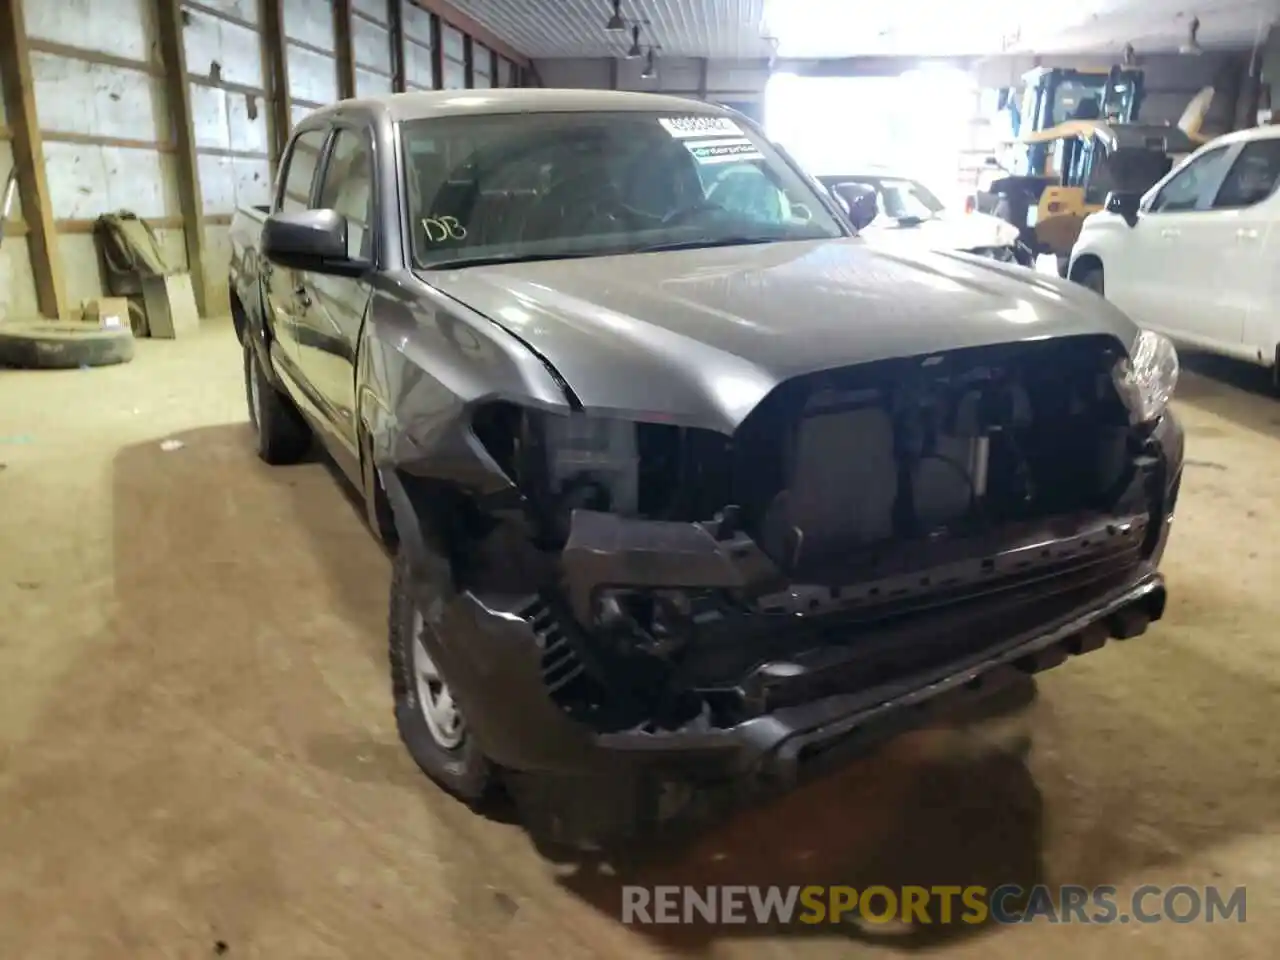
(700, 337)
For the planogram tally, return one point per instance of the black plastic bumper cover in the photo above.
(493, 660)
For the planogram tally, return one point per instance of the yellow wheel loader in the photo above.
(1035, 169)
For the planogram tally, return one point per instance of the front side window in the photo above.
(549, 185)
(1252, 178)
(304, 158)
(348, 190)
(1183, 192)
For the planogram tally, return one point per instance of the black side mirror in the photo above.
(314, 240)
(1124, 204)
(860, 202)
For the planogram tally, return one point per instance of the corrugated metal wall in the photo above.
(108, 128)
(222, 40)
(108, 140)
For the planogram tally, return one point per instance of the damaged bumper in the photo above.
(858, 663)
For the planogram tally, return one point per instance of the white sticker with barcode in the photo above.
(682, 127)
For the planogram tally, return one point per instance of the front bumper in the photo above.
(508, 657)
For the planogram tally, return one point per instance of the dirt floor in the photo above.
(197, 753)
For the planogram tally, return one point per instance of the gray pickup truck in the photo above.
(691, 492)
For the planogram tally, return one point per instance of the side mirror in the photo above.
(1124, 204)
(314, 240)
(860, 202)
(990, 162)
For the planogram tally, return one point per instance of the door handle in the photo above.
(304, 298)
(1246, 233)
(1169, 233)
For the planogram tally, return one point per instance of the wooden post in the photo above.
(28, 160)
(342, 45)
(468, 62)
(437, 53)
(277, 74)
(395, 24)
(178, 92)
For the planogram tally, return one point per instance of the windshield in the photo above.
(1082, 98)
(908, 200)
(897, 197)
(547, 185)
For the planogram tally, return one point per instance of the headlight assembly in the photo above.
(1148, 376)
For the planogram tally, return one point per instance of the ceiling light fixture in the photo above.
(650, 67)
(615, 23)
(635, 51)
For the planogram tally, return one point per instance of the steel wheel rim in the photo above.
(435, 701)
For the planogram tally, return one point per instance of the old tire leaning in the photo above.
(455, 763)
(50, 345)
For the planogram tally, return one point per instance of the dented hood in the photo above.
(700, 337)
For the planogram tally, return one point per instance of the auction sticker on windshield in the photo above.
(683, 127)
(723, 151)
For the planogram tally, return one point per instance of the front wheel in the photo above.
(431, 725)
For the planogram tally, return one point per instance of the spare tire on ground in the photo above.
(51, 345)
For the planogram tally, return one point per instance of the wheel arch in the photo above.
(1083, 264)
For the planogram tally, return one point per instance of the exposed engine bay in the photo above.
(861, 523)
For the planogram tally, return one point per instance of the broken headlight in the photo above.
(1147, 377)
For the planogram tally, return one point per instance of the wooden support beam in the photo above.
(276, 70)
(468, 62)
(178, 94)
(437, 53)
(495, 75)
(342, 47)
(28, 160)
(395, 21)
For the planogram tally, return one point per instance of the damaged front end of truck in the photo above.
(656, 609)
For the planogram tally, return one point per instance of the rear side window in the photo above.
(1252, 178)
(348, 189)
(1188, 185)
(304, 158)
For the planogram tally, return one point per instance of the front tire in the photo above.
(430, 723)
(283, 436)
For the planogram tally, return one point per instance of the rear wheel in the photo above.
(283, 436)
